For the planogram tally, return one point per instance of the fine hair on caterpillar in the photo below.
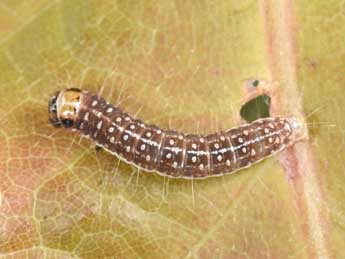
(168, 152)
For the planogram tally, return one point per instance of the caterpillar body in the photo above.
(168, 152)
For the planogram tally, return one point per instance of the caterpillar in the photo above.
(168, 152)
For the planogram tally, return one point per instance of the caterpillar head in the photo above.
(63, 107)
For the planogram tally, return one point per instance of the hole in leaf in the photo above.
(256, 108)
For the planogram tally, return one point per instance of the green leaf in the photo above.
(183, 65)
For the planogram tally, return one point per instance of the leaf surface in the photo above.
(182, 65)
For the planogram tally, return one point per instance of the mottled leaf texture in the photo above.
(181, 65)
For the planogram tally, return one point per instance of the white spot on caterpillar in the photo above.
(201, 167)
(266, 130)
(222, 138)
(128, 148)
(219, 158)
(143, 147)
(111, 130)
(110, 109)
(118, 119)
(194, 159)
(112, 140)
(132, 127)
(174, 165)
(148, 157)
(159, 131)
(202, 140)
(86, 116)
(228, 162)
(240, 139)
(148, 134)
(194, 146)
(270, 140)
(127, 118)
(216, 146)
(168, 156)
(171, 142)
(252, 152)
(94, 103)
(277, 140)
(245, 132)
(180, 137)
(125, 137)
(244, 150)
(99, 125)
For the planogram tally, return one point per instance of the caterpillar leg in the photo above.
(98, 149)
